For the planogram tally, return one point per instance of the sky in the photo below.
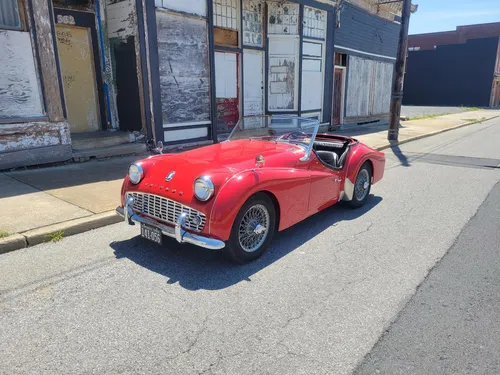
(445, 15)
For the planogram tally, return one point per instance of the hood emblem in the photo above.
(170, 176)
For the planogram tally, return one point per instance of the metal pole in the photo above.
(397, 87)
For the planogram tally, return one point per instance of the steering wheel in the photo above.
(294, 135)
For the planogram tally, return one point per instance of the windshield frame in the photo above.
(308, 147)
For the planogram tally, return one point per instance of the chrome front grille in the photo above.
(167, 210)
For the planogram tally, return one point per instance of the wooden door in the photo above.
(76, 58)
(338, 96)
(253, 82)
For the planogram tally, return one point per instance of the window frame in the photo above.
(22, 19)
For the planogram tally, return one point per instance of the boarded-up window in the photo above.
(312, 76)
(368, 87)
(184, 68)
(226, 13)
(227, 87)
(9, 14)
(314, 23)
(283, 73)
(283, 19)
(19, 91)
(252, 22)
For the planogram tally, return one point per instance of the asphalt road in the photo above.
(418, 111)
(451, 325)
(107, 301)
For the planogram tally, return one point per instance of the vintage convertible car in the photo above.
(271, 173)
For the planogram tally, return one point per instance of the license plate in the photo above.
(151, 233)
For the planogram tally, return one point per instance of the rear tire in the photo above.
(253, 229)
(362, 186)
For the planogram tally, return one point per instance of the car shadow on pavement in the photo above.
(195, 268)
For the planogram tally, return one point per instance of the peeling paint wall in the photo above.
(184, 68)
(121, 18)
(17, 137)
(368, 87)
(19, 91)
(34, 143)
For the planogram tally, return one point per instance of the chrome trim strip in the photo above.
(178, 232)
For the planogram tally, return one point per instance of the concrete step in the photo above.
(106, 152)
(84, 141)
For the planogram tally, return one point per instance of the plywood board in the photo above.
(382, 88)
(283, 73)
(358, 86)
(253, 76)
(225, 37)
(368, 87)
(19, 91)
(226, 76)
(77, 68)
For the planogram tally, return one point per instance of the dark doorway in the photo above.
(127, 99)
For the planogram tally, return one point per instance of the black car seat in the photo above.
(328, 157)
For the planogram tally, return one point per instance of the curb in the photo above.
(417, 137)
(68, 228)
(12, 242)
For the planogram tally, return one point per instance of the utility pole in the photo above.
(397, 87)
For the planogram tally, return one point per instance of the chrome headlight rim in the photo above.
(207, 181)
(140, 172)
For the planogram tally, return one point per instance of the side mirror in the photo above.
(160, 147)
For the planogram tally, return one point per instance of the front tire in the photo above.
(252, 230)
(362, 186)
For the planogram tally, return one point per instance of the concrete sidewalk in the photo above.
(45, 204)
(376, 136)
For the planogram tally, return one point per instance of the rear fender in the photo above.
(358, 155)
(290, 187)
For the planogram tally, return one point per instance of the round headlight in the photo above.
(135, 173)
(203, 188)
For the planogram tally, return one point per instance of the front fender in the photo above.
(290, 187)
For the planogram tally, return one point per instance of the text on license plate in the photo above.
(151, 233)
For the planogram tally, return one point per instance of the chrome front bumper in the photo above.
(178, 232)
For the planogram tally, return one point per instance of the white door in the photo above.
(253, 81)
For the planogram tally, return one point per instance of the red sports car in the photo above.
(271, 173)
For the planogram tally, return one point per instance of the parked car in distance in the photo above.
(271, 173)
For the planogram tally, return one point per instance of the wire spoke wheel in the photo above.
(362, 185)
(254, 228)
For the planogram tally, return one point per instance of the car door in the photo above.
(325, 185)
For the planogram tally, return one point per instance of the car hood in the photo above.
(219, 161)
